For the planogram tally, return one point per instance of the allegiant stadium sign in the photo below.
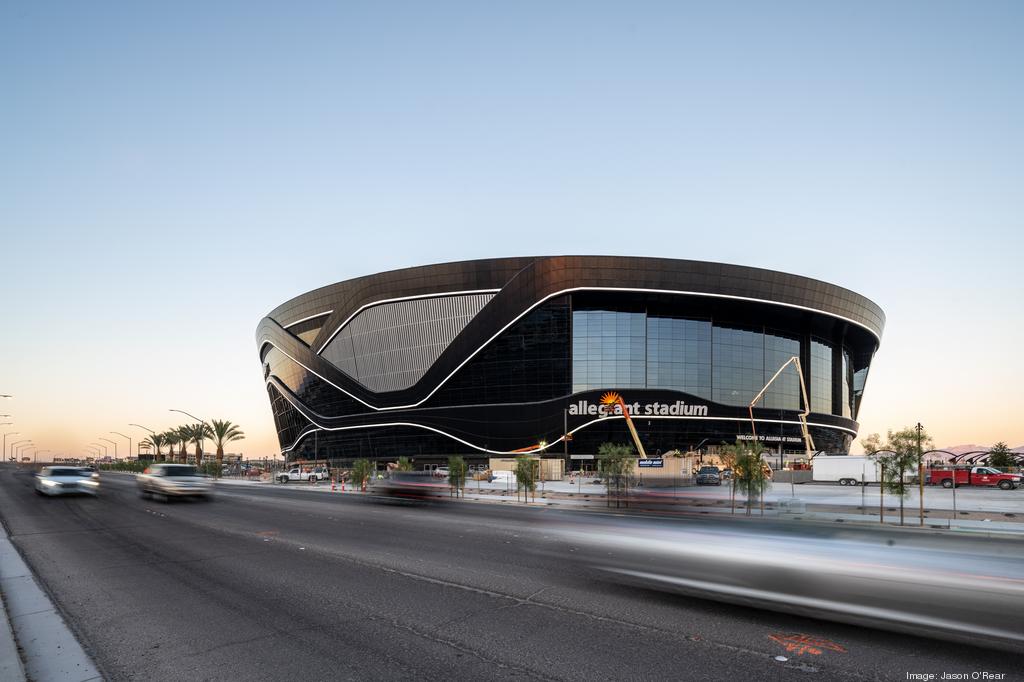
(679, 408)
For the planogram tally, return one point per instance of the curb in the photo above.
(50, 650)
(10, 661)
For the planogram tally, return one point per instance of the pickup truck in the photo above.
(984, 476)
(298, 474)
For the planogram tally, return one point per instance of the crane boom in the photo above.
(612, 398)
(808, 441)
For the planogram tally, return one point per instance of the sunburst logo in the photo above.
(610, 398)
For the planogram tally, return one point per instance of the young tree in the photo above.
(730, 454)
(526, 476)
(899, 454)
(223, 433)
(1000, 456)
(871, 443)
(749, 472)
(615, 465)
(456, 473)
(362, 469)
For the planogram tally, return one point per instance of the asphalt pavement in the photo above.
(268, 583)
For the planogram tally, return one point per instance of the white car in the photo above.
(174, 480)
(67, 481)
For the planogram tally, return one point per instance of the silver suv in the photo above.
(173, 480)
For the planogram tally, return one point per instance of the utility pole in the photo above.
(920, 471)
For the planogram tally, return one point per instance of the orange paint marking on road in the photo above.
(801, 644)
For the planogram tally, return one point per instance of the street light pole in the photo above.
(101, 445)
(151, 432)
(18, 449)
(27, 440)
(920, 471)
(200, 434)
(115, 446)
(3, 453)
(129, 442)
(36, 454)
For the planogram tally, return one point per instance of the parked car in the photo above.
(300, 474)
(66, 481)
(174, 480)
(709, 476)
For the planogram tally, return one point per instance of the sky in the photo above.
(170, 172)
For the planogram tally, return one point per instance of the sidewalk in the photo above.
(32, 624)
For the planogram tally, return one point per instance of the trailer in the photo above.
(844, 469)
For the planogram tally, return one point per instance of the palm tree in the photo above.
(156, 441)
(170, 437)
(183, 435)
(224, 432)
(196, 434)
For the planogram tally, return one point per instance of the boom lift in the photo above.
(613, 398)
(808, 441)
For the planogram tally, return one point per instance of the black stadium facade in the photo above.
(489, 357)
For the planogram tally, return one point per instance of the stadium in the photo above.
(492, 357)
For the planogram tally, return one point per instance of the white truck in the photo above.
(303, 474)
(844, 469)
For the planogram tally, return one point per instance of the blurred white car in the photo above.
(174, 480)
(67, 481)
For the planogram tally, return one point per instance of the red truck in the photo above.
(986, 476)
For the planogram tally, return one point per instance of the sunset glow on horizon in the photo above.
(165, 187)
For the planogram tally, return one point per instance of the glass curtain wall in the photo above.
(679, 355)
(726, 364)
(821, 377)
(784, 394)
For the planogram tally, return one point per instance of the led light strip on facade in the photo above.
(305, 319)
(528, 310)
(318, 427)
(399, 300)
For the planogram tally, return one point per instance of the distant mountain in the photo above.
(960, 449)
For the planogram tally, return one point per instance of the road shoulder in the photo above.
(50, 649)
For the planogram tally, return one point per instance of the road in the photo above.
(271, 584)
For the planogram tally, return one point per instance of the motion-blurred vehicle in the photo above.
(978, 476)
(709, 476)
(174, 480)
(965, 588)
(66, 481)
(300, 474)
(407, 485)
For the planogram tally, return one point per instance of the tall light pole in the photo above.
(151, 432)
(27, 440)
(101, 445)
(920, 470)
(201, 434)
(95, 452)
(36, 454)
(115, 445)
(3, 453)
(19, 448)
(118, 433)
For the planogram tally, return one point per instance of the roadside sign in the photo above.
(651, 463)
(581, 457)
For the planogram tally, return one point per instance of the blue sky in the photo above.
(170, 173)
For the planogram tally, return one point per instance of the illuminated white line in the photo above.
(320, 427)
(522, 314)
(398, 300)
(292, 324)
